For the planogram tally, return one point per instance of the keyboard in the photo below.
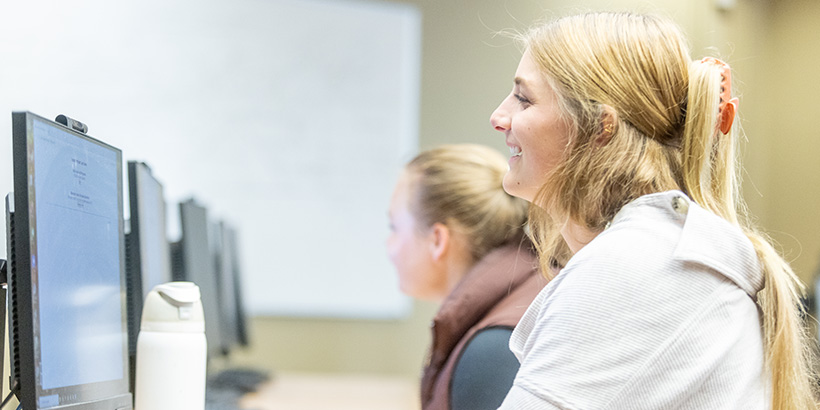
(223, 390)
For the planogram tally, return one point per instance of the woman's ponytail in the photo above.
(710, 179)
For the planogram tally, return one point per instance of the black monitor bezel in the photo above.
(101, 395)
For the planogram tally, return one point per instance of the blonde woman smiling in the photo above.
(670, 299)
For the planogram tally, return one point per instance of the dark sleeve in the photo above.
(485, 371)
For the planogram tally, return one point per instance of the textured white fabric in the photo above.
(657, 312)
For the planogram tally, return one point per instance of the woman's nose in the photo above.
(499, 119)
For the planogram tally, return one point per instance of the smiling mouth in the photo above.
(515, 151)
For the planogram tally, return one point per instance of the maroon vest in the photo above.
(495, 292)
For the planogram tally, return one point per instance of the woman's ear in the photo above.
(609, 125)
(439, 240)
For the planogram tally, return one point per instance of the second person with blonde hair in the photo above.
(458, 239)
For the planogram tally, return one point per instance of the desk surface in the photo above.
(304, 391)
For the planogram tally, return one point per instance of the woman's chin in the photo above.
(514, 187)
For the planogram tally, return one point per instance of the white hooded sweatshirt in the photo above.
(657, 312)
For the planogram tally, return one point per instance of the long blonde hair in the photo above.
(664, 136)
(460, 185)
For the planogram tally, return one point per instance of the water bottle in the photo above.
(171, 350)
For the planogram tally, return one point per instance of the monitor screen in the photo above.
(147, 253)
(148, 224)
(196, 264)
(241, 317)
(225, 257)
(68, 311)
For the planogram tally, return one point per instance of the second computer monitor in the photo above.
(148, 259)
(150, 253)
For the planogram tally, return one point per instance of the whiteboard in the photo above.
(289, 119)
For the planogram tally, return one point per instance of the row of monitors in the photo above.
(207, 255)
(77, 279)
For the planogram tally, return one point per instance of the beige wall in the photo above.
(332, 345)
(467, 70)
(789, 103)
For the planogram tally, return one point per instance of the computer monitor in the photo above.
(193, 262)
(148, 258)
(230, 293)
(236, 269)
(67, 319)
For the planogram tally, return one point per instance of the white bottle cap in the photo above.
(173, 307)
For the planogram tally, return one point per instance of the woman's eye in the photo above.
(521, 99)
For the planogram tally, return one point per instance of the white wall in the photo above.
(290, 119)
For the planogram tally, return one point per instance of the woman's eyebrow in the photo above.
(521, 82)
